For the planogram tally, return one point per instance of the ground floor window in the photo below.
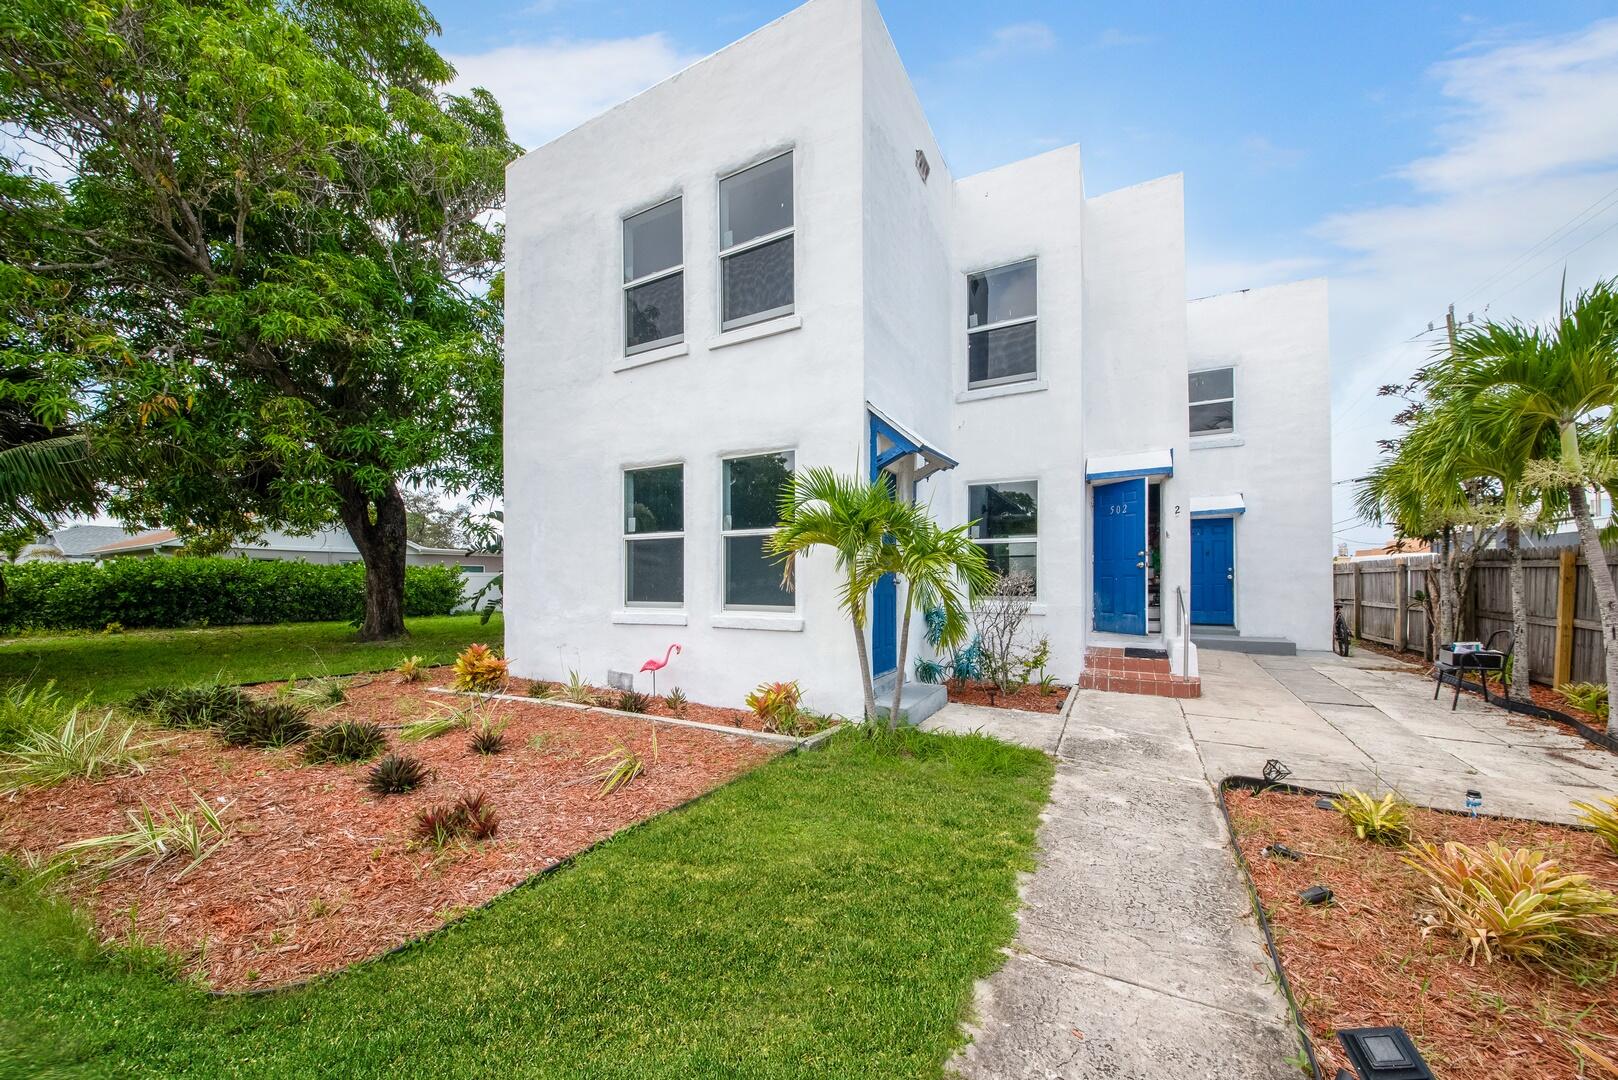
(753, 487)
(1005, 519)
(654, 536)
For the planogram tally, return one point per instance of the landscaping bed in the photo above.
(653, 706)
(1363, 961)
(1030, 698)
(316, 872)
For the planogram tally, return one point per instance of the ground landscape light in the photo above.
(1384, 1053)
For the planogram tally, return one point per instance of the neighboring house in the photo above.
(764, 264)
(327, 546)
(74, 543)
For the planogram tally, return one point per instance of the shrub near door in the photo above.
(171, 592)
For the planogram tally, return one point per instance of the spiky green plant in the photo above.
(396, 774)
(29, 707)
(190, 708)
(78, 747)
(488, 739)
(320, 694)
(619, 766)
(344, 742)
(676, 701)
(1381, 821)
(447, 718)
(267, 725)
(154, 837)
(471, 817)
(633, 701)
(1587, 697)
(577, 690)
(1602, 818)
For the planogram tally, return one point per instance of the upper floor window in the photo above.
(1005, 525)
(654, 535)
(1213, 401)
(1001, 332)
(755, 243)
(753, 487)
(654, 278)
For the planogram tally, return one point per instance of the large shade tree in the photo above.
(280, 231)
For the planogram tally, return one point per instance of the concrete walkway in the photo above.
(1137, 955)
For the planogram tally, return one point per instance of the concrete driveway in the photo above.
(1137, 955)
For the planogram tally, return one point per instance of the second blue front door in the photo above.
(1213, 571)
(1120, 557)
(885, 617)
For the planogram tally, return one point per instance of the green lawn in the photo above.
(113, 666)
(824, 916)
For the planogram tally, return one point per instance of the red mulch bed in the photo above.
(707, 714)
(1362, 961)
(319, 873)
(1028, 699)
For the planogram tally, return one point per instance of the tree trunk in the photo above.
(1601, 578)
(1446, 592)
(899, 674)
(865, 669)
(377, 527)
(1518, 688)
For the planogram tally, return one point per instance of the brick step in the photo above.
(1138, 665)
(1112, 671)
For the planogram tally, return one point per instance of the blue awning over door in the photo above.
(891, 442)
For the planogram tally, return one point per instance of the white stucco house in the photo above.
(763, 264)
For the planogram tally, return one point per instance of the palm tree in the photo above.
(1559, 383)
(45, 467)
(942, 570)
(819, 508)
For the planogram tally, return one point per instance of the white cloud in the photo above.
(1114, 38)
(1014, 39)
(549, 88)
(1265, 155)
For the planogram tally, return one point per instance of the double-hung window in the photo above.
(753, 487)
(654, 278)
(756, 243)
(1213, 401)
(1002, 316)
(654, 536)
(1005, 525)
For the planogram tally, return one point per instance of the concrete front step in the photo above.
(917, 701)
(1257, 646)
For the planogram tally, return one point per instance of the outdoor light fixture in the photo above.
(1384, 1053)
(1315, 894)
(1275, 772)
(1474, 801)
(1325, 804)
(1281, 851)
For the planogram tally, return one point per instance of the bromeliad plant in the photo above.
(344, 742)
(411, 670)
(1517, 905)
(267, 725)
(480, 671)
(1381, 821)
(775, 703)
(155, 837)
(396, 774)
(1602, 818)
(471, 817)
(204, 705)
(1587, 697)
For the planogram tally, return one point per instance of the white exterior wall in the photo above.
(573, 423)
(1279, 455)
(880, 317)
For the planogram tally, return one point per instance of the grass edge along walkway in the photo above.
(825, 915)
(111, 667)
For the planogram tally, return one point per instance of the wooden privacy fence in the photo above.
(1380, 602)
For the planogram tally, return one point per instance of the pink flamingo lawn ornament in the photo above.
(654, 665)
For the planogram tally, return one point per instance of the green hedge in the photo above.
(168, 592)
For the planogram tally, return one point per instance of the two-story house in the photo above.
(763, 264)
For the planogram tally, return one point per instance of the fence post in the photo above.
(1359, 592)
(1401, 601)
(1567, 597)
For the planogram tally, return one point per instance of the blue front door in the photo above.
(1213, 571)
(1120, 557)
(885, 617)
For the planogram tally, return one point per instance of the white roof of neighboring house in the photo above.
(79, 540)
(326, 540)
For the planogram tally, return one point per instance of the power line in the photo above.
(1559, 259)
(1554, 236)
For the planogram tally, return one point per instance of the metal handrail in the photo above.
(1184, 628)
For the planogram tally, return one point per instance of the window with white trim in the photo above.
(1213, 401)
(753, 489)
(654, 278)
(756, 237)
(1005, 524)
(1002, 314)
(654, 536)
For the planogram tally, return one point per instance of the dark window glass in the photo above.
(756, 202)
(1007, 354)
(998, 295)
(758, 280)
(656, 572)
(753, 487)
(1219, 416)
(652, 241)
(654, 499)
(655, 311)
(1012, 559)
(1212, 385)
(1003, 510)
(752, 577)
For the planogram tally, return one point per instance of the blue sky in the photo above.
(1410, 152)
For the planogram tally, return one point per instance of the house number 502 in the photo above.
(1118, 510)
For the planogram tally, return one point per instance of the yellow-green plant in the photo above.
(75, 748)
(1586, 697)
(577, 691)
(156, 837)
(1381, 821)
(1515, 904)
(447, 719)
(478, 669)
(620, 765)
(411, 670)
(1602, 819)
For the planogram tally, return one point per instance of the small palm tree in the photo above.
(942, 570)
(819, 508)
